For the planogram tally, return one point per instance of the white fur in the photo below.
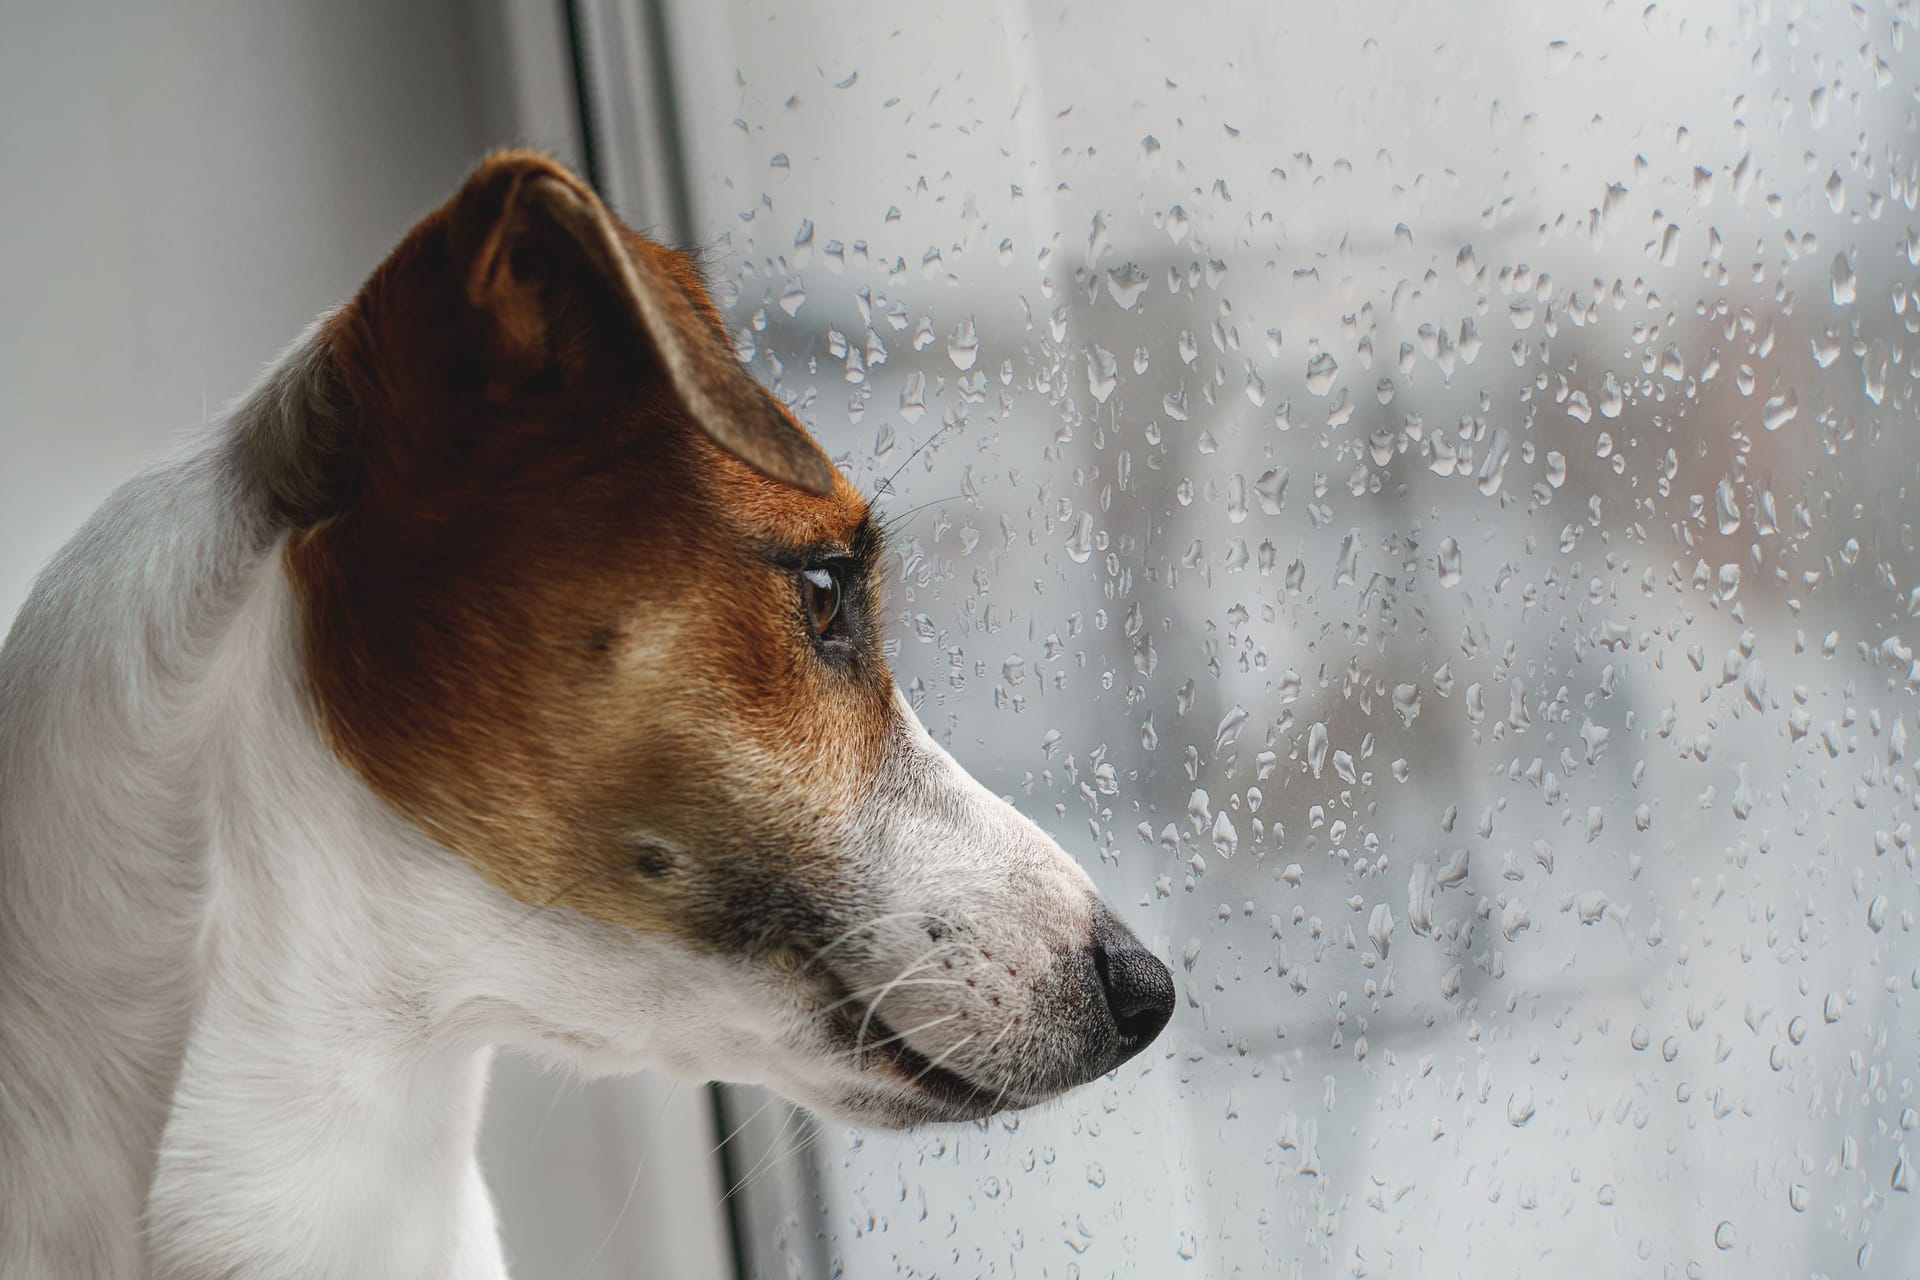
(246, 1011)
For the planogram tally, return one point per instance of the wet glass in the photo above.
(1418, 499)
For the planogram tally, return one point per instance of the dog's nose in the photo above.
(1138, 988)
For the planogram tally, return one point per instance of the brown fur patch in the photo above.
(545, 627)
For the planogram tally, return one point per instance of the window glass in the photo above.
(1417, 498)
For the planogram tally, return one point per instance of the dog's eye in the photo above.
(820, 591)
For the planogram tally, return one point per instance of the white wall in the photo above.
(185, 186)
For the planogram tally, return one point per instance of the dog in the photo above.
(505, 669)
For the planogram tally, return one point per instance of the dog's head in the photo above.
(583, 602)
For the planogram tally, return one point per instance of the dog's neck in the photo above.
(313, 1130)
(247, 1038)
(324, 1117)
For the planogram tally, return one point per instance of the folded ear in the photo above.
(534, 239)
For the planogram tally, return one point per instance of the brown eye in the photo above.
(820, 592)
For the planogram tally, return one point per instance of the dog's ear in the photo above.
(546, 266)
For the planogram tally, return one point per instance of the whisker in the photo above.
(809, 1132)
(876, 922)
(763, 1161)
(954, 1048)
(1006, 1076)
(886, 486)
(741, 1127)
(894, 520)
(874, 1004)
(850, 1054)
(853, 996)
(632, 1187)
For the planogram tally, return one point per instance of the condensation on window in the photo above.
(1417, 499)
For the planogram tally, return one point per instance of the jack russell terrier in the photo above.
(505, 670)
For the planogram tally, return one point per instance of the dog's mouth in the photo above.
(905, 1085)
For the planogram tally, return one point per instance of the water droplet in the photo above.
(1126, 283)
(1493, 464)
(1226, 837)
(1406, 701)
(913, 396)
(1236, 499)
(1272, 490)
(1726, 507)
(1256, 387)
(963, 348)
(1844, 286)
(1343, 767)
(1320, 373)
(1469, 343)
(1826, 347)
(1421, 887)
(1520, 1107)
(1380, 929)
(1724, 1237)
(1229, 729)
(1612, 399)
(1780, 410)
(1702, 186)
(1317, 747)
(1347, 561)
(1873, 370)
(1449, 564)
(1080, 541)
(1103, 373)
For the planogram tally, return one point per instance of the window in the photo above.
(1418, 501)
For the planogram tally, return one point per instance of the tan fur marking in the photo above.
(544, 628)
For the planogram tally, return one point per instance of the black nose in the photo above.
(1138, 988)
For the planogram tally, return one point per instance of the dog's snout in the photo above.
(1138, 988)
